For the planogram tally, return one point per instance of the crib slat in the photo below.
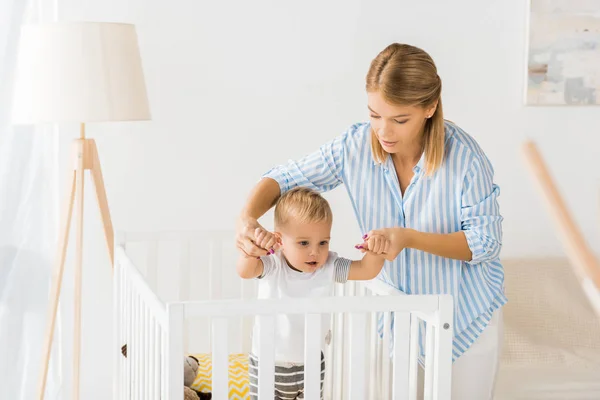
(429, 361)
(214, 275)
(266, 357)
(385, 355)
(175, 352)
(312, 356)
(216, 270)
(151, 356)
(349, 292)
(184, 286)
(357, 356)
(338, 350)
(124, 329)
(220, 359)
(247, 292)
(156, 363)
(142, 349)
(152, 270)
(413, 371)
(163, 365)
(129, 388)
(122, 335)
(135, 348)
(333, 360)
(401, 356)
(373, 346)
(184, 271)
(328, 384)
(116, 330)
(148, 350)
(147, 362)
(443, 350)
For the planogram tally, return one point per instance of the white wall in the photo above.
(236, 87)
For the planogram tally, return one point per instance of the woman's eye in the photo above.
(401, 122)
(375, 116)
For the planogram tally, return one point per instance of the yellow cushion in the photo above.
(239, 386)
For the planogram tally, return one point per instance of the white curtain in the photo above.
(28, 230)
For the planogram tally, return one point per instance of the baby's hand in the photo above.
(266, 240)
(375, 244)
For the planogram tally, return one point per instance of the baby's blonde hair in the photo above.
(303, 205)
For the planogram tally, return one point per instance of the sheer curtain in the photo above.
(28, 224)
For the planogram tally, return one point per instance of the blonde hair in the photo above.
(406, 75)
(302, 204)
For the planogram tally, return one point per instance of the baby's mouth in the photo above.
(312, 263)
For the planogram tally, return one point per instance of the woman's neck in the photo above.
(409, 156)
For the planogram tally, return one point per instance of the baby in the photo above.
(303, 267)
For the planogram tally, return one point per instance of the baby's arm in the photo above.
(249, 267)
(366, 269)
(369, 267)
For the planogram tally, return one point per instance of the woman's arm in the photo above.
(262, 197)
(452, 245)
(320, 170)
(480, 237)
(251, 237)
(481, 221)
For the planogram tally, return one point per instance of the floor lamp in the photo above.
(78, 72)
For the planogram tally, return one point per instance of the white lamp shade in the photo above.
(79, 72)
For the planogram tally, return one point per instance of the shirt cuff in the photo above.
(267, 266)
(341, 269)
(476, 245)
(280, 177)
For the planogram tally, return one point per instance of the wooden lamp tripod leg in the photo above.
(82, 160)
(102, 200)
(57, 276)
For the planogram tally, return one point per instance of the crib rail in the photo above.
(404, 356)
(141, 324)
(371, 322)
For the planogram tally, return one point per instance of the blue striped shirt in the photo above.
(461, 195)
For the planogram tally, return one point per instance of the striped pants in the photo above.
(289, 381)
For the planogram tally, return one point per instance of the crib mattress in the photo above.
(239, 385)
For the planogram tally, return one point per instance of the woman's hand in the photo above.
(254, 240)
(397, 239)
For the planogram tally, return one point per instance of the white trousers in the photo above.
(474, 373)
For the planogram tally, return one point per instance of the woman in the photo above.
(426, 184)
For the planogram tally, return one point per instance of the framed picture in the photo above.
(563, 53)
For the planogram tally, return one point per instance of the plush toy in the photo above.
(189, 394)
(190, 370)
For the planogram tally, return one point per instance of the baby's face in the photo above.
(306, 245)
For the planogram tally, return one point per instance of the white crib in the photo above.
(161, 313)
